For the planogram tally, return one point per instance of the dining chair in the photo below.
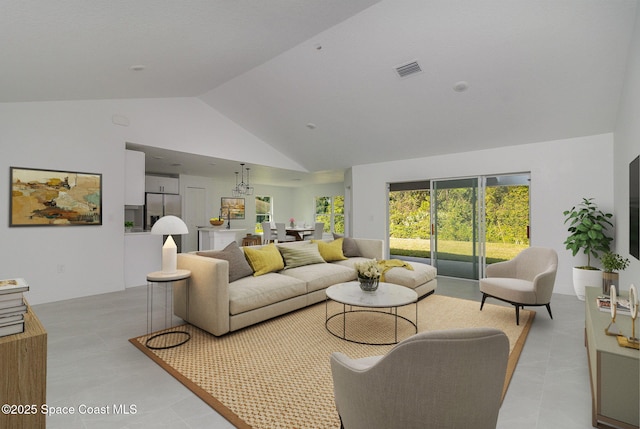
(268, 233)
(281, 233)
(318, 231)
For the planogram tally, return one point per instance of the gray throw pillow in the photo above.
(300, 255)
(349, 246)
(238, 265)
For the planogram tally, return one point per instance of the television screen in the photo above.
(634, 208)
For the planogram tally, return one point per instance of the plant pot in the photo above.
(609, 279)
(583, 278)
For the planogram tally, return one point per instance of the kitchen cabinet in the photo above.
(134, 178)
(162, 184)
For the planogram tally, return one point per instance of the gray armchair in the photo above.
(527, 279)
(438, 379)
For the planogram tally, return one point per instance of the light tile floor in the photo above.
(91, 363)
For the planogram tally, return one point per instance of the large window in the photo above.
(330, 211)
(264, 211)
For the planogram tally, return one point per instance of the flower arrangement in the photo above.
(368, 270)
(292, 222)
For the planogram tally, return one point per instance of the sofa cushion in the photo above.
(238, 265)
(298, 256)
(421, 274)
(332, 250)
(514, 290)
(321, 276)
(349, 246)
(351, 262)
(265, 259)
(250, 293)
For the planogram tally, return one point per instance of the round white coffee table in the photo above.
(387, 295)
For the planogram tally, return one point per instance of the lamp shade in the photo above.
(168, 225)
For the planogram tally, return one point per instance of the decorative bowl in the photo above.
(216, 222)
(368, 284)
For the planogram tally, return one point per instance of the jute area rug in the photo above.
(277, 374)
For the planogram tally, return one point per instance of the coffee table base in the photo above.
(393, 313)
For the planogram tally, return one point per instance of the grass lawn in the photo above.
(453, 250)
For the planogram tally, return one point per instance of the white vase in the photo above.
(583, 278)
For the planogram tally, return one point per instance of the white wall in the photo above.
(284, 202)
(304, 200)
(627, 147)
(67, 262)
(562, 173)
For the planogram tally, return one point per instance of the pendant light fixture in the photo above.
(242, 188)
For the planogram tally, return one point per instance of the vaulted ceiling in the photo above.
(317, 80)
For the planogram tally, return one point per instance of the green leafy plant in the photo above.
(612, 262)
(587, 228)
(128, 224)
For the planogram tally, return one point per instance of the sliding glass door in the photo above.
(460, 225)
(506, 216)
(455, 237)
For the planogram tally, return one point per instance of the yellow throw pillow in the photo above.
(331, 251)
(265, 259)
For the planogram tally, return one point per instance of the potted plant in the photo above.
(612, 263)
(368, 275)
(587, 233)
(128, 226)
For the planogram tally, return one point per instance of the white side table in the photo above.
(158, 277)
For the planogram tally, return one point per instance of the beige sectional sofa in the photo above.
(219, 306)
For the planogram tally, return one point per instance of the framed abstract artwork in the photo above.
(51, 197)
(232, 208)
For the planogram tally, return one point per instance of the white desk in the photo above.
(216, 238)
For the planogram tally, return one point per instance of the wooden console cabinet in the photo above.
(23, 375)
(614, 370)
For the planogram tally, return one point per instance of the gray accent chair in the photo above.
(437, 379)
(527, 279)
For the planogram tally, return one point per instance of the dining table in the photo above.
(299, 232)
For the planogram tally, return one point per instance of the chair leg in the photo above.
(484, 297)
(549, 310)
(517, 314)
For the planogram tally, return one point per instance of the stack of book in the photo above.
(623, 306)
(12, 306)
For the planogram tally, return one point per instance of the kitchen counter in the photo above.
(216, 238)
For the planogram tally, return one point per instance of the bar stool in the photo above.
(251, 240)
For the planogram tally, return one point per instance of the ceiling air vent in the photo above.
(408, 69)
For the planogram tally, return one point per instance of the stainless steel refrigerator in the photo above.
(158, 205)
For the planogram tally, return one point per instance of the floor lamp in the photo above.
(168, 225)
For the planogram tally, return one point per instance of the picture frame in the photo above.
(232, 208)
(41, 197)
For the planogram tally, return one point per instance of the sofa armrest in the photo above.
(208, 293)
(370, 248)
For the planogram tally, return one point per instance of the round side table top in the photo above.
(159, 276)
